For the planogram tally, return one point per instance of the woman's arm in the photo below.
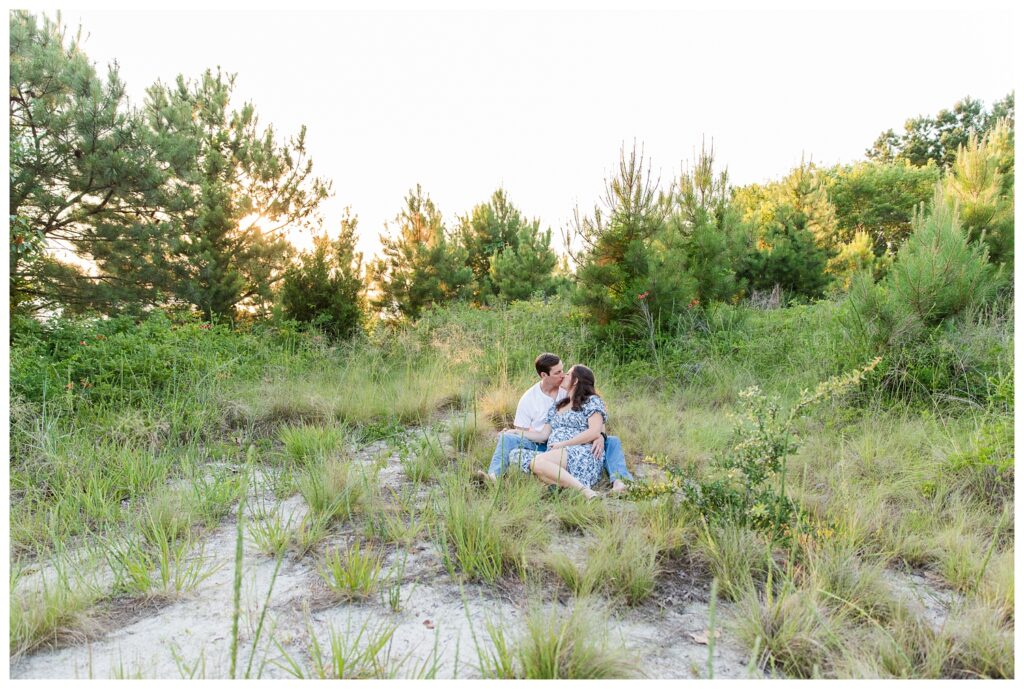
(594, 425)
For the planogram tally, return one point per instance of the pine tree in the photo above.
(939, 273)
(326, 288)
(489, 229)
(712, 238)
(77, 157)
(420, 266)
(614, 253)
(805, 190)
(854, 257)
(980, 185)
(794, 233)
(788, 255)
(526, 268)
(217, 243)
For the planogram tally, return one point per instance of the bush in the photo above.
(937, 273)
(326, 288)
(120, 361)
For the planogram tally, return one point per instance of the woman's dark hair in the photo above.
(584, 378)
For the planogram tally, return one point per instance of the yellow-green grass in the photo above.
(337, 489)
(52, 609)
(363, 653)
(484, 536)
(308, 443)
(621, 563)
(561, 643)
(348, 392)
(353, 574)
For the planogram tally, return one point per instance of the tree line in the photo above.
(183, 203)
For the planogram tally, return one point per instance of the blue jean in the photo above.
(614, 457)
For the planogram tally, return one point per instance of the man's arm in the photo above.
(522, 420)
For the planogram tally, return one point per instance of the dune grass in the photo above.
(143, 463)
(484, 536)
(354, 574)
(559, 643)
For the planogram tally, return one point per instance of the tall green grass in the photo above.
(130, 438)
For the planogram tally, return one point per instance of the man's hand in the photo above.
(597, 447)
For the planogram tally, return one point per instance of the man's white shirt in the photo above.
(533, 407)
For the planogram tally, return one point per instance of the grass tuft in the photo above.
(353, 575)
(571, 644)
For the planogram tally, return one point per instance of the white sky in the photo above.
(540, 102)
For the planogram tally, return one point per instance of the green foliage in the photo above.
(854, 257)
(77, 156)
(879, 199)
(788, 256)
(936, 139)
(326, 288)
(704, 235)
(937, 275)
(614, 263)
(747, 485)
(980, 186)
(526, 268)
(509, 256)
(987, 463)
(96, 361)
(233, 189)
(421, 266)
(794, 230)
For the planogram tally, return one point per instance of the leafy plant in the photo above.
(748, 483)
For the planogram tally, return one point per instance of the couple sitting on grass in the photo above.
(559, 432)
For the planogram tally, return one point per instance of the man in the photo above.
(530, 413)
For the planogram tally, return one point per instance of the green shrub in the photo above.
(937, 275)
(326, 288)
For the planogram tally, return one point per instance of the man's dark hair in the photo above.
(545, 362)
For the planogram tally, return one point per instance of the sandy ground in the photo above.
(440, 629)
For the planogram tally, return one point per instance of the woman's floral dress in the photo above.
(582, 464)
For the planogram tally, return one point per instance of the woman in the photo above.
(570, 426)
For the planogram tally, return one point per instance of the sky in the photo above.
(540, 102)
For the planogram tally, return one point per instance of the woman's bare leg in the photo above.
(555, 474)
(558, 456)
